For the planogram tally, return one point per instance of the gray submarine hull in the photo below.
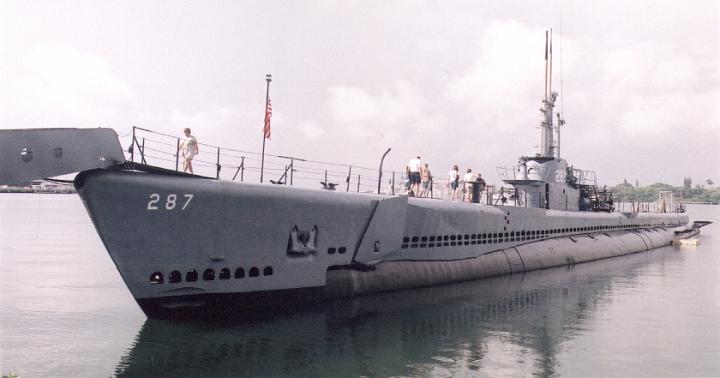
(190, 247)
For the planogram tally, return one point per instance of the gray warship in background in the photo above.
(189, 246)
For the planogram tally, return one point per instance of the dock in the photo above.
(686, 242)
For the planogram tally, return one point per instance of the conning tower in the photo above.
(545, 180)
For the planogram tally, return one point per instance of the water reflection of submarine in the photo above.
(537, 310)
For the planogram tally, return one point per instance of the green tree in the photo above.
(628, 193)
(687, 183)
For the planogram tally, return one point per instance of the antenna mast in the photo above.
(550, 70)
(547, 130)
(561, 122)
(560, 119)
(545, 93)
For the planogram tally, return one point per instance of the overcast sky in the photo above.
(458, 82)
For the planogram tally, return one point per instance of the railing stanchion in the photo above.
(392, 187)
(347, 181)
(292, 168)
(132, 146)
(177, 156)
(142, 152)
(240, 169)
(217, 175)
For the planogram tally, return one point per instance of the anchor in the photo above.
(302, 242)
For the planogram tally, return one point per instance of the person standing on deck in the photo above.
(481, 182)
(188, 148)
(414, 168)
(425, 180)
(453, 181)
(469, 178)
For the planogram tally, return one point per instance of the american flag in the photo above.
(268, 114)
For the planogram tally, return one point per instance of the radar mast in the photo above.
(547, 147)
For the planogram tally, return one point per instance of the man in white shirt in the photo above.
(189, 148)
(414, 168)
(469, 178)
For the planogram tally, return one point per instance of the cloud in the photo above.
(468, 117)
(502, 74)
(219, 125)
(311, 130)
(389, 114)
(645, 91)
(675, 74)
(355, 105)
(71, 88)
(485, 112)
(213, 116)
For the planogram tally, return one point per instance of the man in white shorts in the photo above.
(189, 148)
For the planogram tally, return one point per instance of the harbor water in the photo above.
(65, 311)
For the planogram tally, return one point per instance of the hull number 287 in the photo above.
(171, 202)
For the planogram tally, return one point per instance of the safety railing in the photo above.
(163, 150)
(585, 177)
(158, 149)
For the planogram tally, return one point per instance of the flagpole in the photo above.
(268, 78)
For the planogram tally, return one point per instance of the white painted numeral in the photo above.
(189, 198)
(171, 201)
(154, 199)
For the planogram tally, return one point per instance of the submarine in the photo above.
(188, 246)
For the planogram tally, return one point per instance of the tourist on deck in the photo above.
(453, 182)
(425, 180)
(468, 179)
(188, 148)
(414, 168)
(481, 182)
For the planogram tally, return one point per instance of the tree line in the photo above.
(627, 192)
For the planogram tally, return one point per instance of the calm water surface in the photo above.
(66, 312)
